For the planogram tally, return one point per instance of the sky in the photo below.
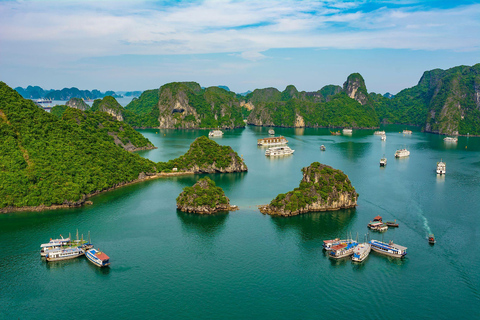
(140, 45)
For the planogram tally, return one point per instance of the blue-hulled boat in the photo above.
(97, 257)
(390, 249)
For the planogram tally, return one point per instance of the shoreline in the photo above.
(84, 201)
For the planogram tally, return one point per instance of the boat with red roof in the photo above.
(98, 258)
(343, 249)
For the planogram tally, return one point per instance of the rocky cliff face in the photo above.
(322, 188)
(109, 105)
(188, 106)
(77, 103)
(355, 88)
(204, 197)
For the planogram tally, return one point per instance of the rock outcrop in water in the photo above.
(206, 156)
(322, 188)
(204, 197)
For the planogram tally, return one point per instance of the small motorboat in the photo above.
(322, 147)
(431, 239)
(392, 223)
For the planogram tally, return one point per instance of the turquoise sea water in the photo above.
(244, 265)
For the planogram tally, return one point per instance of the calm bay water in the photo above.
(168, 264)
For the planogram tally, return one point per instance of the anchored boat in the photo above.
(215, 133)
(53, 244)
(361, 252)
(328, 244)
(347, 131)
(64, 254)
(342, 250)
(392, 223)
(390, 249)
(271, 132)
(98, 258)
(383, 161)
(450, 139)
(407, 132)
(379, 133)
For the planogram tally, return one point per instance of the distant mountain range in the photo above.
(443, 101)
(36, 92)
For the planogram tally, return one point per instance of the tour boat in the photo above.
(384, 138)
(431, 239)
(383, 162)
(378, 226)
(342, 250)
(347, 131)
(97, 257)
(215, 133)
(271, 132)
(53, 244)
(379, 133)
(390, 249)
(391, 224)
(407, 132)
(377, 218)
(279, 151)
(402, 153)
(450, 139)
(441, 167)
(43, 100)
(322, 147)
(272, 141)
(64, 254)
(361, 252)
(328, 244)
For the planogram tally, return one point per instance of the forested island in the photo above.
(204, 197)
(322, 188)
(36, 92)
(48, 161)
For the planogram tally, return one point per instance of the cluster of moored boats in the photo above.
(378, 225)
(66, 248)
(338, 249)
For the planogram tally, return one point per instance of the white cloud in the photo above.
(68, 30)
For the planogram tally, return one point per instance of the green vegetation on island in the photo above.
(322, 188)
(206, 156)
(203, 197)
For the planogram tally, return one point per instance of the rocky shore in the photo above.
(322, 188)
(204, 197)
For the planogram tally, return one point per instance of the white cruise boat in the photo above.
(64, 254)
(383, 161)
(441, 167)
(391, 249)
(97, 257)
(450, 139)
(402, 153)
(215, 133)
(272, 141)
(379, 133)
(278, 151)
(271, 132)
(361, 252)
(53, 244)
(347, 131)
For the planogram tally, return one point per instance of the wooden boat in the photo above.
(392, 223)
(342, 250)
(98, 258)
(377, 226)
(390, 249)
(377, 218)
(322, 147)
(328, 244)
(64, 254)
(361, 252)
(431, 239)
